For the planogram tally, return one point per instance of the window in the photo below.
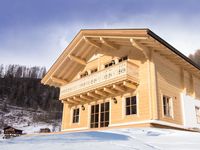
(99, 115)
(94, 70)
(167, 106)
(104, 115)
(84, 74)
(131, 105)
(123, 58)
(110, 64)
(197, 109)
(94, 119)
(76, 115)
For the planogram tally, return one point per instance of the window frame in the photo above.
(131, 105)
(168, 110)
(124, 58)
(94, 70)
(110, 63)
(84, 74)
(197, 114)
(75, 116)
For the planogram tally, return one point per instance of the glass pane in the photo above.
(133, 109)
(165, 110)
(92, 125)
(164, 100)
(102, 107)
(127, 110)
(102, 116)
(77, 119)
(96, 117)
(107, 106)
(101, 124)
(92, 118)
(127, 101)
(96, 108)
(77, 111)
(96, 125)
(133, 100)
(106, 124)
(74, 112)
(107, 116)
(73, 120)
(92, 109)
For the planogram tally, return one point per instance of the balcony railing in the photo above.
(119, 72)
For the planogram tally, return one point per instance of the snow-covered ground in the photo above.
(115, 139)
(23, 119)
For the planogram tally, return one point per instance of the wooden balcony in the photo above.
(109, 81)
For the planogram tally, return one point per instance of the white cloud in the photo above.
(43, 44)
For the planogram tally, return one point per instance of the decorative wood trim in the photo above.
(78, 60)
(109, 44)
(72, 101)
(85, 97)
(78, 99)
(93, 95)
(139, 47)
(60, 63)
(109, 91)
(129, 85)
(60, 81)
(87, 40)
(101, 93)
(119, 88)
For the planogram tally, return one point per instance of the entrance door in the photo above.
(99, 111)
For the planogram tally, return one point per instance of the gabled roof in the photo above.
(90, 41)
(9, 127)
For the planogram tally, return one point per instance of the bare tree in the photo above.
(195, 57)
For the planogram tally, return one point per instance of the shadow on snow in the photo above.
(68, 138)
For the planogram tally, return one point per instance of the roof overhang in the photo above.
(92, 41)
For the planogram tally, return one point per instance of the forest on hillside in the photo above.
(195, 57)
(20, 86)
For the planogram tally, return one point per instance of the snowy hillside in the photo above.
(115, 139)
(28, 120)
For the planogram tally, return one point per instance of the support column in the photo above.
(153, 87)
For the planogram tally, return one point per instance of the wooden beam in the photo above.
(93, 95)
(87, 40)
(85, 97)
(129, 85)
(139, 47)
(57, 80)
(109, 91)
(72, 101)
(78, 60)
(108, 44)
(119, 88)
(62, 61)
(101, 93)
(78, 99)
(120, 37)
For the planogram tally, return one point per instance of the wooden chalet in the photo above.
(125, 77)
(11, 130)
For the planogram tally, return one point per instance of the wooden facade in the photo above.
(114, 78)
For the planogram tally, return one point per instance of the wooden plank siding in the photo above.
(117, 111)
(159, 70)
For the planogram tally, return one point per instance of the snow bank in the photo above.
(115, 139)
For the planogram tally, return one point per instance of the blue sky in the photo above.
(35, 32)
